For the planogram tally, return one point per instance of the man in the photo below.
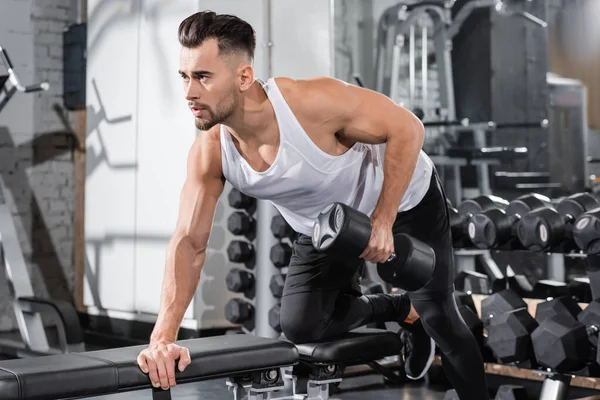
(303, 145)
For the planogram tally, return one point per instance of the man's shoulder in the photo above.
(317, 96)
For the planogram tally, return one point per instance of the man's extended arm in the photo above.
(362, 115)
(186, 251)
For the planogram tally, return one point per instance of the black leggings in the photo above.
(321, 297)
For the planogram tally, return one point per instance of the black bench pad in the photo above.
(360, 345)
(116, 370)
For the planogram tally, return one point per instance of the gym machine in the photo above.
(30, 311)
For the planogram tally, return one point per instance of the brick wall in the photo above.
(39, 175)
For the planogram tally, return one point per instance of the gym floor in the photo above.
(213, 390)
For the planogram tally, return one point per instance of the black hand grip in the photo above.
(39, 87)
(5, 58)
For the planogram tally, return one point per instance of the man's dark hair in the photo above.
(232, 33)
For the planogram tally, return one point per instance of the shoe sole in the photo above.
(428, 365)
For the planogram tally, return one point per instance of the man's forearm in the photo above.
(401, 155)
(182, 274)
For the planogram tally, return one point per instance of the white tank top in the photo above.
(303, 179)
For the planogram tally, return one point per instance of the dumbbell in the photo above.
(240, 251)
(240, 223)
(240, 281)
(564, 342)
(478, 283)
(280, 228)
(586, 231)
(509, 333)
(276, 285)
(546, 227)
(495, 227)
(274, 317)
(459, 217)
(240, 201)
(344, 232)
(239, 311)
(280, 255)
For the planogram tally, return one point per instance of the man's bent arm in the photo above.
(186, 250)
(366, 116)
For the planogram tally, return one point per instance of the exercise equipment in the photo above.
(345, 232)
(495, 227)
(30, 311)
(280, 254)
(255, 368)
(500, 303)
(460, 217)
(16, 85)
(240, 223)
(276, 285)
(240, 281)
(274, 317)
(240, 251)
(546, 227)
(240, 201)
(280, 228)
(245, 361)
(241, 312)
(586, 231)
(509, 336)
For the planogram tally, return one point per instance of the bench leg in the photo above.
(257, 386)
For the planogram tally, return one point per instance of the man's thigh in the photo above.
(429, 222)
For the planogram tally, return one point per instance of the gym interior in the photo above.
(94, 135)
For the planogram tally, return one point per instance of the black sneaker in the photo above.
(419, 350)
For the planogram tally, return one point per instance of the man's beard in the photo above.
(224, 110)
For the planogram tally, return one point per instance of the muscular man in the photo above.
(303, 144)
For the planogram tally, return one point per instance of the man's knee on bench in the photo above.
(304, 330)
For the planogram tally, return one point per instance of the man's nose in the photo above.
(191, 90)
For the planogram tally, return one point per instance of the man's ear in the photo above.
(246, 77)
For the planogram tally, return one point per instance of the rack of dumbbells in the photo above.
(280, 255)
(262, 248)
(539, 327)
(241, 251)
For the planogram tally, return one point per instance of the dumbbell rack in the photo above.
(261, 232)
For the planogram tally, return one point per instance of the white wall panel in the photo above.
(112, 74)
(302, 38)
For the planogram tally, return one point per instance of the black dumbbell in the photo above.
(586, 231)
(478, 283)
(239, 311)
(499, 303)
(459, 217)
(240, 201)
(565, 340)
(240, 281)
(496, 227)
(509, 337)
(580, 289)
(274, 317)
(276, 285)
(240, 251)
(537, 288)
(280, 255)
(564, 305)
(280, 228)
(240, 223)
(545, 228)
(345, 232)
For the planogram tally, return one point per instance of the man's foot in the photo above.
(419, 350)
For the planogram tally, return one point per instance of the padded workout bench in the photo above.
(326, 360)
(116, 370)
(252, 365)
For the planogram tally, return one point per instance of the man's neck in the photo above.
(255, 117)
